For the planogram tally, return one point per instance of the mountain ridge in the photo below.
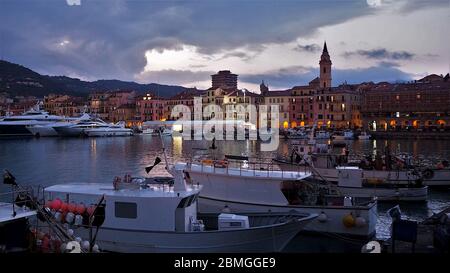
(18, 80)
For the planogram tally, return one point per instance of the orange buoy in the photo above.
(348, 220)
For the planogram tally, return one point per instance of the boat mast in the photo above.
(164, 151)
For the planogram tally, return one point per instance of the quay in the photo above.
(437, 135)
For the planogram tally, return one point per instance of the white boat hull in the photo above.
(42, 131)
(333, 224)
(439, 178)
(259, 239)
(107, 133)
(364, 137)
(259, 191)
(387, 194)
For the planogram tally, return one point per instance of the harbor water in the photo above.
(48, 161)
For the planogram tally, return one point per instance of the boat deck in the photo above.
(249, 172)
(98, 189)
(6, 212)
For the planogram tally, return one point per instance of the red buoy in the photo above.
(72, 207)
(57, 204)
(81, 208)
(64, 207)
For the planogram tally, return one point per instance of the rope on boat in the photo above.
(59, 230)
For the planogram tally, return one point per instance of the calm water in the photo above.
(48, 161)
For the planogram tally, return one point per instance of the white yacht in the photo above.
(18, 125)
(150, 131)
(364, 136)
(96, 127)
(44, 130)
(108, 130)
(143, 215)
(322, 135)
(344, 135)
(246, 185)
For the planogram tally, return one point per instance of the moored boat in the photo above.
(147, 216)
(393, 170)
(246, 186)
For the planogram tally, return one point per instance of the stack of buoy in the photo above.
(45, 242)
(70, 213)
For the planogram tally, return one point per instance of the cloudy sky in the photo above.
(184, 42)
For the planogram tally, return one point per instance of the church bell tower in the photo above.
(325, 68)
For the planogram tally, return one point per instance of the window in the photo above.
(324, 70)
(125, 210)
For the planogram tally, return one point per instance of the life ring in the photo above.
(207, 161)
(428, 174)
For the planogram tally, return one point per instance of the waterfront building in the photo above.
(116, 99)
(281, 98)
(99, 104)
(125, 112)
(175, 105)
(150, 108)
(65, 105)
(320, 104)
(420, 105)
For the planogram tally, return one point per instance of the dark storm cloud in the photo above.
(173, 76)
(299, 75)
(108, 39)
(381, 53)
(311, 48)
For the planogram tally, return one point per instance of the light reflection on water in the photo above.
(48, 161)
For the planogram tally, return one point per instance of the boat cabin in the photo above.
(350, 176)
(151, 207)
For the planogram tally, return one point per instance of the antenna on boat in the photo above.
(164, 151)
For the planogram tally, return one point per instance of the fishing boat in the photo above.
(145, 215)
(241, 184)
(351, 182)
(15, 217)
(344, 135)
(390, 169)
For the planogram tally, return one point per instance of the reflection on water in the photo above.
(47, 161)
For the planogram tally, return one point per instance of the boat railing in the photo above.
(257, 167)
(9, 198)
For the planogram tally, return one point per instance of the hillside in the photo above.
(18, 80)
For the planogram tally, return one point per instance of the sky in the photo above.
(184, 42)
